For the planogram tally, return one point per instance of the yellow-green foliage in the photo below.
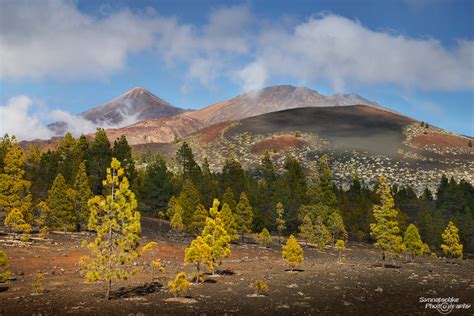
(322, 234)
(260, 287)
(412, 241)
(14, 189)
(336, 227)
(228, 221)
(198, 221)
(307, 230)
(177, 219)
(340, 244)
(149, 247)
(385, 230)
(82, 193)
(61, 205)
(180, 285)
(38, 286)
(199, 253)
(280, 221)
(15, 220)
(4, 273)
(116, 221)
(426, 249)
(451, 245)
(244, 214)
(264, 238)
(292, 252)
(216, 237)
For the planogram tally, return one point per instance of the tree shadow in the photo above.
(131, 291)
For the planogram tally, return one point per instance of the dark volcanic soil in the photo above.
(357, 286)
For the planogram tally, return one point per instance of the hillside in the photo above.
(359, 138)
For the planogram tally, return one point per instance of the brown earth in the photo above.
(358, 286)
(439, 140)
(277, 143)
(209, 134)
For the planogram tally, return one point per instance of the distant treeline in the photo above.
(194, 185)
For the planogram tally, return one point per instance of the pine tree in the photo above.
(233, 177)
(83, 193)
(229, 199)
(157, 187)
(176, 221)
(292, 252)
(323, 235)
(216, 236)
(198, 220)
(69, 158)
(116, 221)
(280, 221)
(14, 189)
(340, 245)
(15, 221)
(199, 253)
(190, 170)
(228, 221)
(307, 230)
(264, 238)
(189, 198)
(336, 227)
(451, 245)
(412, 241)
(244, 215)
(123, 153)
(98, 158)
(61, 205)
(4, 273)
(385, 230)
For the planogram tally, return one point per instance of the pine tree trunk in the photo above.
(109, 286)
(383, 258)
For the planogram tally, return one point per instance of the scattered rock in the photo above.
(379, 289)
(183, 300)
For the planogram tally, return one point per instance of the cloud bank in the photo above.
(23, 117)
(54, 38)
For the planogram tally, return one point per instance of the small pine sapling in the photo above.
(4, 273)
(280, 221)
(340, 245)
(292, 252)
(426, 249)
(38, 286)
(199, 253)
(260, 287)
(180, 285)
(264, 239)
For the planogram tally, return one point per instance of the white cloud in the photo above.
(16, 119)
(23, 117)
(338, 50)
(53, 38)
(253, 76)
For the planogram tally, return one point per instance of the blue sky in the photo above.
(63, 57)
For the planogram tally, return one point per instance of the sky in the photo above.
(59, 57)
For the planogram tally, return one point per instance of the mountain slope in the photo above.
(358, 139)
(271, 99)
(135, 105)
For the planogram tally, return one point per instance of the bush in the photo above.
(260, 287)
(263, 238)
(180, 285)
